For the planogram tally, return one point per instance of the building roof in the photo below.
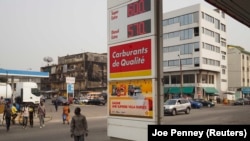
(241, 49)
(23, 73)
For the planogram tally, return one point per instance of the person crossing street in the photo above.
(13, 113)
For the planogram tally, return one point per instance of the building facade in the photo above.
(238, 70)
(195, 53)
(88, 69)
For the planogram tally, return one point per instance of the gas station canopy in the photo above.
(237, 9)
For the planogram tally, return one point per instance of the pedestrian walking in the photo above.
(2, 100)
(41, 112)
(25, 114)
(13, 113)
(65, 114)
(31, 115)
(56, 104)
(78, 126)
(7, 115)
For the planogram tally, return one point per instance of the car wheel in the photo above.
(174, 112)
(187, 111)
(209, 106)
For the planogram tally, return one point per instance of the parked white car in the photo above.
(174, 106)
(83, 100)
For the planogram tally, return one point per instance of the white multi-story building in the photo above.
(194, 52)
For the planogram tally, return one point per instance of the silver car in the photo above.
(174, 106)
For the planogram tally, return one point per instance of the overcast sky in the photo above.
(33, 29)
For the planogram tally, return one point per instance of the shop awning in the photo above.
(213, 94)
(245, 90)
(185, 90)
(174, 90)
(188, 90)
(165, 90)
(211, 91)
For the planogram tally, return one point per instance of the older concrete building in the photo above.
(88, 69)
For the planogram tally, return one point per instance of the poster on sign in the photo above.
(132, 98)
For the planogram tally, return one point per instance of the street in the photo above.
(220, 114)
(97, 120)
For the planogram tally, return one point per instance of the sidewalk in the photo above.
(51, 115)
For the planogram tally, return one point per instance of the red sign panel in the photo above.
(133, 56)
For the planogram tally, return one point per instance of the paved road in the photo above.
(54, 130)
(220, 114)
(97, 119)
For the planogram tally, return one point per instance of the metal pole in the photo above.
(180, 77)
(6, 83)
(159, 46)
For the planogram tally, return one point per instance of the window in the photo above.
(196, 47)
(189, 78)
(196, 17)
(223, 27)
(210, 47)
(209, 18)
(223, 71)
(217, 37)
(211, 79)
(175, 79)
(223, 57)
(173, 63)
(165, 63)
(187, 61)
(217, 23)
(186, 34)
(204, 78)
(223, 80)
(186, 49)
(196, 61)
(209, 32)
(166, 80)
(183, 20)
(196, 31)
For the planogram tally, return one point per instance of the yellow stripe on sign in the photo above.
(131, 74)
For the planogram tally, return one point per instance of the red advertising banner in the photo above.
(134, 56)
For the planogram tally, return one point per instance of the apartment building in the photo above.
(238, 70)
(195, 53)
(88, 69)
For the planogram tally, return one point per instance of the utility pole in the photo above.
(180, 77)
(6, 83)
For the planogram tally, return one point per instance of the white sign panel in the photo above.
(70, 80)
(131, 46)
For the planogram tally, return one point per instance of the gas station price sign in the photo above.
(139, 28)
(139, 7)
(130, 21)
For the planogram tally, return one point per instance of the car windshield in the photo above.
(170, 102)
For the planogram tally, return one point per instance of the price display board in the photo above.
(131, 21)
